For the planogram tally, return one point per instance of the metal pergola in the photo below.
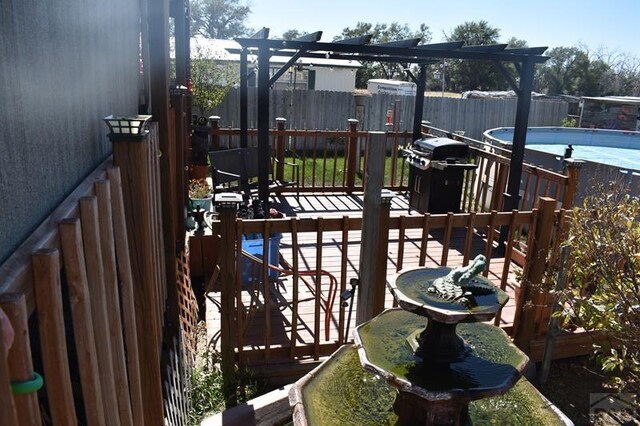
(403, 51)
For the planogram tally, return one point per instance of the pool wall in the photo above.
(591, 171)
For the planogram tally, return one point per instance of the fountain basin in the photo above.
(340, 391)
(410, 289)
(491, 367)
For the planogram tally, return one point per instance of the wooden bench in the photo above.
(241, 165)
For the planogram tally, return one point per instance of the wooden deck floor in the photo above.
(281, 292)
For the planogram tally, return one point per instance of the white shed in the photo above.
(336, 75)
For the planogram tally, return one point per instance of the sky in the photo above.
(613, 25)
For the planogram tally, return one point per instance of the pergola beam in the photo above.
(416, 53)
(297, 55)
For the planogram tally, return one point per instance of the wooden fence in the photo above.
(310, 109)
(96, 261)
(333, 161)
(331, 245)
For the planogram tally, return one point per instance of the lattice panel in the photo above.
(177, 386)
(188, 305)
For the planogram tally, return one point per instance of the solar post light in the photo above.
(127, 127)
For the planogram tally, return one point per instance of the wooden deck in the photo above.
(281, 292)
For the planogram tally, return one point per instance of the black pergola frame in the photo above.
(403, 51)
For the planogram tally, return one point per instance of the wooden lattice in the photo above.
(177, 385)
(188, 305)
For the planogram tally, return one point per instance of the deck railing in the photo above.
(333, 245)
(333, 161)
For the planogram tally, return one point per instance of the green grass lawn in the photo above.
(324, 171)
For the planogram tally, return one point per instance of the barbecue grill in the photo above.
(436, 174)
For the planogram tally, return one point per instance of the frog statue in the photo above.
(460, 285)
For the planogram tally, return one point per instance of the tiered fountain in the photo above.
(440, 363)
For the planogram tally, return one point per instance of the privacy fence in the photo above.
(89, 299)
(310, 109)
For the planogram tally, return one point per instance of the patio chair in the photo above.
(284, 269)
(241, 165)
(276, 273)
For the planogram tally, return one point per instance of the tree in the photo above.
(292, 34)
(475, 75)
(382, 33)
(211, 79)
(221, 19)
(561, 73)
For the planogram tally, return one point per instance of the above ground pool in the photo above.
(612, 147)
(608, 154)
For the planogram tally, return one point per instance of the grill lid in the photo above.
(441, 148)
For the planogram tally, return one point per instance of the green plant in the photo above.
(211, 78)
(604, 294)
(199, 188)
(569, 122)
(207, 396)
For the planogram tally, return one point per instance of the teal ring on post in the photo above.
(28, 386)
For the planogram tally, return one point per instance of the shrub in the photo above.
(604, 274)
(569, 122)
(207, 396)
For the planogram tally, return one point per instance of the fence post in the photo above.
(352, 155)
(532, 297)
(373, 177)
(280, 125)
(380, 274)
(8, 414)
(227, 205)
(572, 169)
(19, 360)
(132, 154)
(214, 123)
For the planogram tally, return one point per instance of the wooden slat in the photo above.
(489, 245)
(48, 293)
(468, 241)
(95, 277)
(425, 238)
(8, 415)
(266, 232)
(15, 272)
(318, 289)
(295, 265)
(241, 315)
(80, 301)
(447, 240)
(19, 359)
(344, 258)
(126, 294)
(112, 300)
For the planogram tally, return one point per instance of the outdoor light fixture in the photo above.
(226, 199)
(386, 196)
(128, 126)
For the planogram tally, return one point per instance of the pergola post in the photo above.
(263, 122)
(421, 85)
(512, 197)
(244, 100)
